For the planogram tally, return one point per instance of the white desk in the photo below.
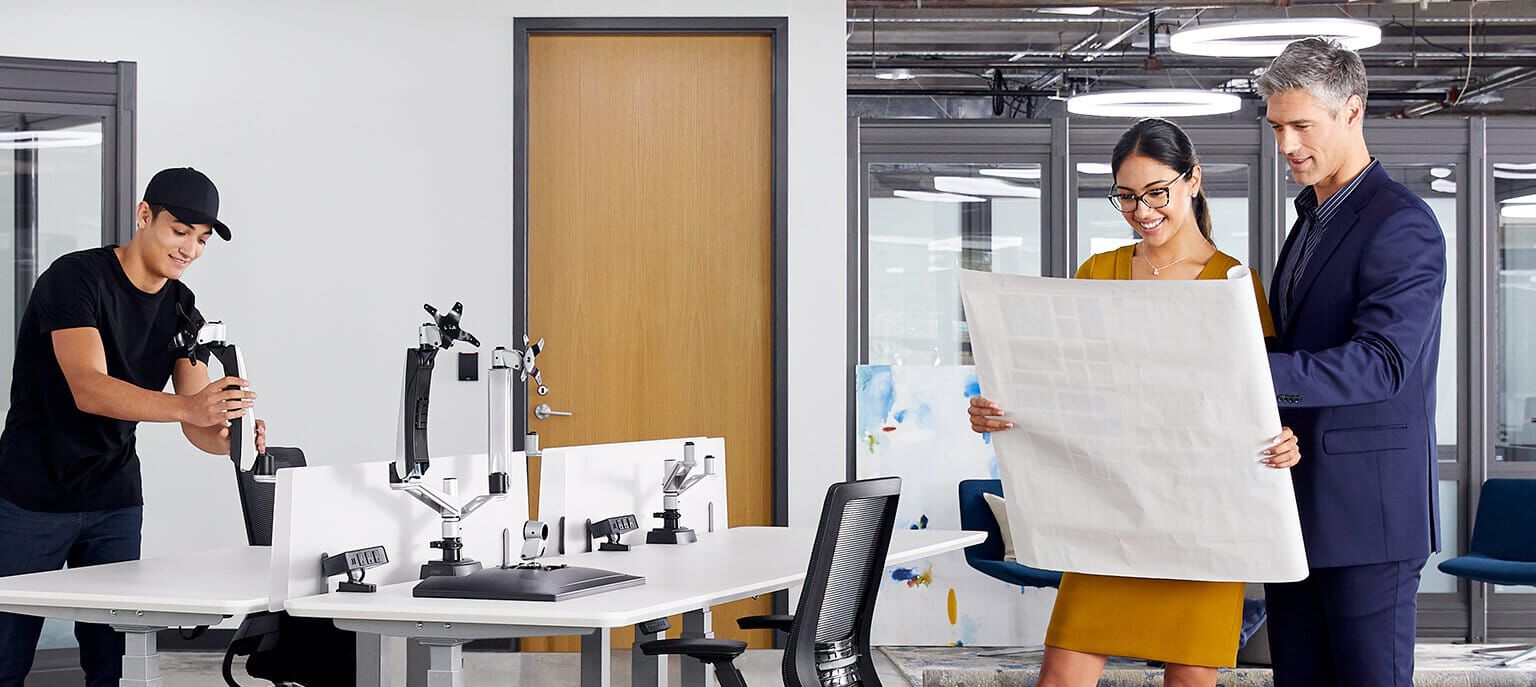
(140, 598)
(724, 566)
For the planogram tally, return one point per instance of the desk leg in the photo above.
(596, 658)
(697, 624)
(416, 657)
(141, 656)
(373, 659)
(445, 662)
(647, 671)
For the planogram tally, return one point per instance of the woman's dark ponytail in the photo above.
(1203, 215)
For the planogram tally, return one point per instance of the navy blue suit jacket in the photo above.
(1354, 370)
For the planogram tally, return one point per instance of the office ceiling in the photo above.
(976, 58)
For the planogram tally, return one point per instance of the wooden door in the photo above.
(650, 256)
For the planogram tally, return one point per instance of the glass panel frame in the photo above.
(1509, 613)
(68, 90)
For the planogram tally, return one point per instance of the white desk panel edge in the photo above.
(395, 603)
(229, 581)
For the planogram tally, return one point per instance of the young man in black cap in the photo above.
(92, 357)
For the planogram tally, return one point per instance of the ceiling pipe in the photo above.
(1454, 97)
(1053, 61)
(1036, 4)
(953, 92)
(1117, 40)
(924, 92)
(1118, 19)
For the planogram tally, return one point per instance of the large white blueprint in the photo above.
(1140, 412)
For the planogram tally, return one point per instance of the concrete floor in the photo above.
(761, 667)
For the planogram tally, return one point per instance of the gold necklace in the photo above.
(1159, 270)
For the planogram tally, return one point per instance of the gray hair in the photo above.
(1322, 67)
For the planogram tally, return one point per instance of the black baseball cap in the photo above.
(189, 195)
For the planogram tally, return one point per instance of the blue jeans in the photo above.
(35, 542)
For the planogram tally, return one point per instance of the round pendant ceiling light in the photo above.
(1154, 102)
(1269, 37)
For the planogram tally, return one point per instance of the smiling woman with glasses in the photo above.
(1192, 627)
(1155, 199)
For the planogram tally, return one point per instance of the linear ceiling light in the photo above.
(33, 140)
(1517, 212)
(1094, 168)
(932, 197)
(1078, 11)
(1027, 173)
(896, 74)
(1154, 102)
(1514, 170)
(1267, 38)
(978, 186)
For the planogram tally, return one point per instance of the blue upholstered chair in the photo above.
(987, 557)
(1503, 549)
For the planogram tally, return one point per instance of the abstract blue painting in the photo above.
(912, 423)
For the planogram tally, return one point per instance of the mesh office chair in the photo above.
(829, 634)
(308, 652)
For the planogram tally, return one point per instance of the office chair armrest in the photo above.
(780, 622)
(706, 650)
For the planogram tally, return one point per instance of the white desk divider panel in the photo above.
(328, 509)
(579, 484)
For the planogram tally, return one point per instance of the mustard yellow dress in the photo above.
(1173, 621)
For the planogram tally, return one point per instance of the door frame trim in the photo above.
(777, 29)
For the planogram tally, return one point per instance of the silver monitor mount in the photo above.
(199, 338)
(412, 460)
(675, 481)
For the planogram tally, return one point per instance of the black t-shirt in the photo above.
(53, 457)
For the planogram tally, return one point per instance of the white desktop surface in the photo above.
(722, 566)
(230, 581)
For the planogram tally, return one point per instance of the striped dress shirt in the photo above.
(1314, 224)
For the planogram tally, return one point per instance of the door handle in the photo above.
(543, 412)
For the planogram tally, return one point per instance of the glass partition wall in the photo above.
(1477, 176)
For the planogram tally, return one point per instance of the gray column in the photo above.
(647, 671)
(373, 660)
(416, 661)
(697, 624)
(596, 658)
(445, 662)
(141, 656)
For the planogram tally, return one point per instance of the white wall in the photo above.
(363, 150)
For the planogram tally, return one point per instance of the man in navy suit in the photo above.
(1356, 298)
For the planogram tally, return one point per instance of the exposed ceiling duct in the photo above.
(1016, 49)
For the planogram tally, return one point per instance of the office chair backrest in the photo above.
(257, 499)
(1505, 511)
(837, 602)
(976, 516)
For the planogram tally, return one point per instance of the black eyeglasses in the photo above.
(1155, 199)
